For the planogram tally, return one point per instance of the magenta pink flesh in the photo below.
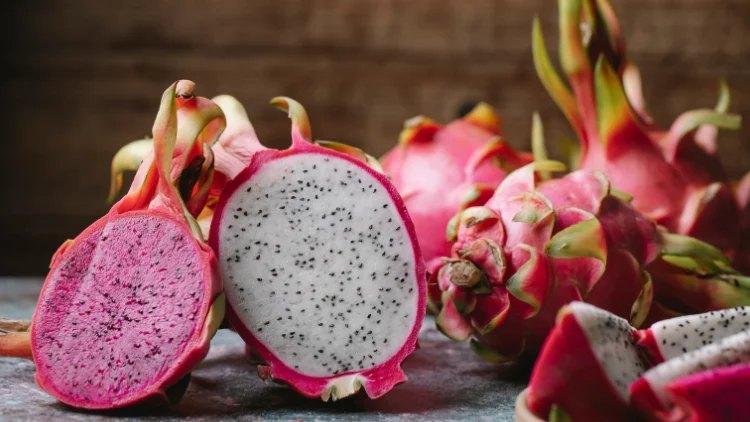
(118, 310)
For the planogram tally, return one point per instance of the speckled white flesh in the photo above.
(726, 352)
(611, 339)
(318, 264)
(677, 336)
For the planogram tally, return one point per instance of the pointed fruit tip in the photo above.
(296, 112)
(549, 166)
(484, 116)
(417, 129)
(185, 88)
(725, 97)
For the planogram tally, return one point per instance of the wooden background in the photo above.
(80, 78)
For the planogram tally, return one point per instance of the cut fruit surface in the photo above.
(323, 276)
(112, 311)
(344, 269)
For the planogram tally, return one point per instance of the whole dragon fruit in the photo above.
(440, 170)
(673, 175)
(539, 244)
(130, 305)
(323, 275)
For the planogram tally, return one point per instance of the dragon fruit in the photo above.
(539, 244)
(323, 275)
(673, 175)
(651, 393)
(673, 337)
(440, 170)
(129, 306)
(597, 350)
(592, 353)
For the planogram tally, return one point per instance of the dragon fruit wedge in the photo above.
(323, 275)
(673, 337)
(593, 354)
(666, 391)
(586, 366)
(440, 170)
(129, 306)
(539, 244)
(714, 395)
(674, 176)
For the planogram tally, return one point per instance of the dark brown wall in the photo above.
(80, 78)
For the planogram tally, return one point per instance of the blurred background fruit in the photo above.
(362, 67)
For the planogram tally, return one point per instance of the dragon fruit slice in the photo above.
(651, 393)
(674, 175)
(674, 337)
(129, 306)
(586, 366)
(714, 395)
(440, 170)
(324, 278)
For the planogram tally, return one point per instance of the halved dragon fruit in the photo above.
(129, 306)
(586, 366)
(323, 275)
(651, 394)
(441, 170)
(673, 337)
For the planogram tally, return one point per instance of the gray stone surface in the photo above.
(447, 382)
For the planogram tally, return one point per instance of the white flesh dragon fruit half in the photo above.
(323, 276)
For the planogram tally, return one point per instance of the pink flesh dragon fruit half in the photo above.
(440, 170)
(673, 175)
(129, 306)
(323, 275)
(585, 367)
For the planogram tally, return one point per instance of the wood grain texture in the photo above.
(80, 78)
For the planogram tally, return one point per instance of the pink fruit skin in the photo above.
(714, 396)
(565, 375)
(381, 378)
(432, 177)
(174, 359)
(670, 193)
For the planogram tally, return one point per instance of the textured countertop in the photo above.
(447, 382)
